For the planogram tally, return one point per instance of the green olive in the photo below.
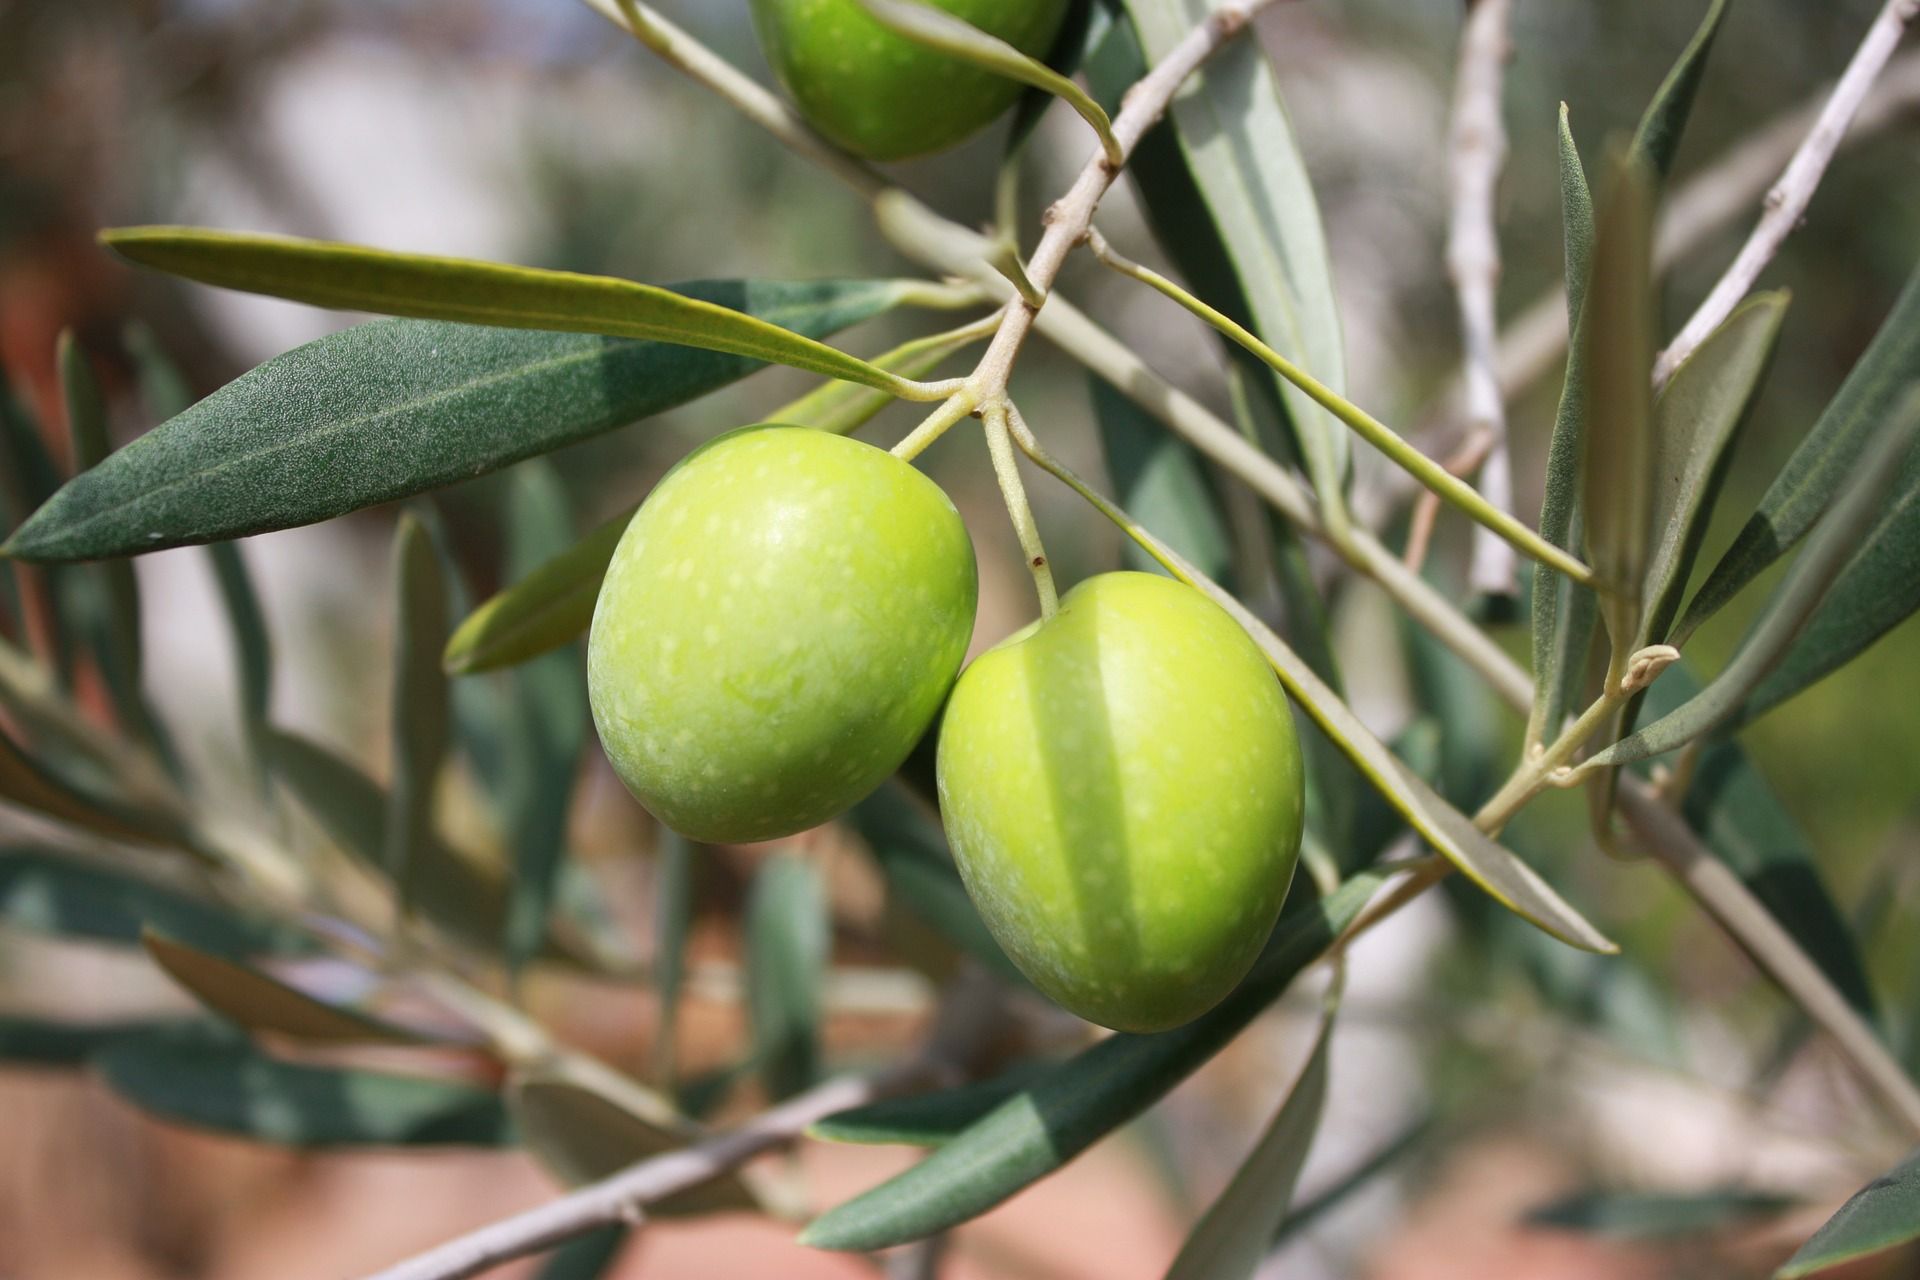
(1122, 789)
(778, 627)
(881, 95)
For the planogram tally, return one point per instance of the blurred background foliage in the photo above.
(530, 131)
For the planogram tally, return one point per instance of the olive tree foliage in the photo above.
(483, 366)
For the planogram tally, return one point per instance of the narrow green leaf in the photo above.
(253, 651)
(70, 897)
(224, 1084)
(588, 1257)
(787, 947)
(1877, 590)
(355, 278)
(1807, 484)
(547, 607)
(1157, 477)
(420, 716)
(92, 805)
(937, 29)
(1882, 1215)
(1616, 337)
(841, 408)
(1079, 1101)
(927, 1119)
(1564, 614)
(1695, 421)
(37, 1042)
(1235, 1233)
(912, 853)
(389, 409)
(1361, 1175)
(1657, 141)
(672, 923)
(164, 390)
(1629, 1215)
(257, 1002)
(582, 1136)
(550, 698)
(1085, 25)
(1244, 162)
(1840, 533)
(462, 897)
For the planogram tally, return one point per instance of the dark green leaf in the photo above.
(90, 804)
(36, 1042)
(672, 922)
(1655, 1216)
(588, 1257)
(1806, 486)
(581, 1136)
(253, 1000)
(394, 408)
(912, 853)
(1657, 141)
(356, 278)
(1085, 23)
(1882, 1215)
(226, 1085)
(787, 946)
(253, 651)
(551, 604)
(69, 897)
(163, 388)
(1080, 1101)
(419, 713)
(927, 1119)
(1157, 478)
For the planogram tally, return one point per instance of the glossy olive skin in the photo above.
(779, 625)
(1123, 792)
(882, 96)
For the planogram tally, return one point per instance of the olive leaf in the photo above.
(1657, 140)
(937, 29)
(1882, 1215)
(1629, 1215)
(71, 897)
(392, 408)
(672, 922)
(1079, 1101)
(90, 804)
(546, 607)
(41, 1042)
(927, 1119)
(787, 944)
(587, 1257)
(258, 1002)
(356, 278)
(253, 650)
(419, 714)
(1158, 478)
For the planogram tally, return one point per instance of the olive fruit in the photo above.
(777, 628)
(1122, 789)
(879, 94)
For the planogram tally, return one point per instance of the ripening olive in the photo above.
(777, 628)
(881, 95)
(1123, 792)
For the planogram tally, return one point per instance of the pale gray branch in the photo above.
(1477, 152)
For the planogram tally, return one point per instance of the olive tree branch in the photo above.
(1786, 202)
(1477, 150)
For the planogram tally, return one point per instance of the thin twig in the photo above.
(1787, 201)
(1477, 146)
(1461, 462)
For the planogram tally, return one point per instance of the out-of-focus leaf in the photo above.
(937, 29)
(1236, 1232)
(550, 697)
(356, 278)
(1877, 591)
(672, 922)
(1238, 144)
(253, 651)
(927, 1119)
(587, 1257)
(912, 854)
(1813, 573)
(544, 609)
(1564, 614)
(419, 715)
(38, 1042)
(1474, 750)
(1616, 337)
(224, 1084)
(164, 391)
(393, 408)
(582, 1136)
(1882, 1215)
(787, 944)
(1361, 1175)
(1695, 421)
(86, 804)
(1078, 1102)
(460, 897)
(257, 1002)
(68, 897)
(1656, 1216)
(1657, 141)
(1814, 474)
(841, 408)
(1158, 479)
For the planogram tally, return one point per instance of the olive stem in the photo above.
(957, 406)
(1006, 470)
